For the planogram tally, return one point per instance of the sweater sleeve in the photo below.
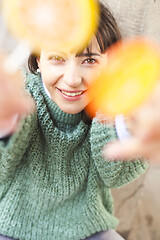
(12, 150)
(113, 173)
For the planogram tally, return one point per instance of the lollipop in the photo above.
(52, 24)
(132, 70)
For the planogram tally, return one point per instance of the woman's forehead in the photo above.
(93, 47)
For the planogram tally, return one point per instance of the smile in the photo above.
(71, 94)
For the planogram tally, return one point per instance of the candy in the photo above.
(52, 24)
(131, 72)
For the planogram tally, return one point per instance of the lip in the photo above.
(71, 98)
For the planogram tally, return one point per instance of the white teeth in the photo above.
(72, 94)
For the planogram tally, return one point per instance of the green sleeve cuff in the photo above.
(12, 151)
(113, 173)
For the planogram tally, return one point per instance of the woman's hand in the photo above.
(144, 126)
(13, 100)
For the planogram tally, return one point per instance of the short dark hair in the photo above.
(108, 31)
(107, 34)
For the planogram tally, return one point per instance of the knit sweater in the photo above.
(54, 183)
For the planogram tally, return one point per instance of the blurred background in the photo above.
(137, 204)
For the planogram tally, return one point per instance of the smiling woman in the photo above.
(55, 182)
(67, 75)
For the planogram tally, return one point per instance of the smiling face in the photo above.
(68, 76)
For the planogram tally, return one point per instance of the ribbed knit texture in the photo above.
(54, 183)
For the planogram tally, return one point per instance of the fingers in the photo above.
(144, 126)
(131, 149)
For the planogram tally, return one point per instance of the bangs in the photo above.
(90, 48)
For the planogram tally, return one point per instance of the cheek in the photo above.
(90, 74)
(50, 76)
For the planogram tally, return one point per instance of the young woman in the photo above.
(54, 181)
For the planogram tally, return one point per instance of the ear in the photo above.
(105, 53)
(104, 61)
(38, 61)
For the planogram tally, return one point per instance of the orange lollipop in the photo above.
(52, 24)
(132, 70)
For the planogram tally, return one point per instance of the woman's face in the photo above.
(68, 76)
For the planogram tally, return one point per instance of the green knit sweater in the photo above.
(54, 183)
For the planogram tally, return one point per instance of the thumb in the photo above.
(122, 150)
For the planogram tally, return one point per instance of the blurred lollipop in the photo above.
(132, 70)
(52, 24)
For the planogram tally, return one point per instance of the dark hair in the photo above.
(107, 34)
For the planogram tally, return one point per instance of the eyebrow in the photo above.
(87, 54)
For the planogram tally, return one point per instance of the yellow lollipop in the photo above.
(52, 24)
(132, 70)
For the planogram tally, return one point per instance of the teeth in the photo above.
(72, 94)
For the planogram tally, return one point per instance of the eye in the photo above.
(56, 59)
(89, 61)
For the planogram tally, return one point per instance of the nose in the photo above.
(72, 76)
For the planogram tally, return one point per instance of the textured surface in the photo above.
(138, 17)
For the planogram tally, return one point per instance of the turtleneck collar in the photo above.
(57, 114)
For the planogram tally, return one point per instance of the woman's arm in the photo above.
(14, 147)
(114, 173)
(144, 125)
(13, 99)
(13, 102)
